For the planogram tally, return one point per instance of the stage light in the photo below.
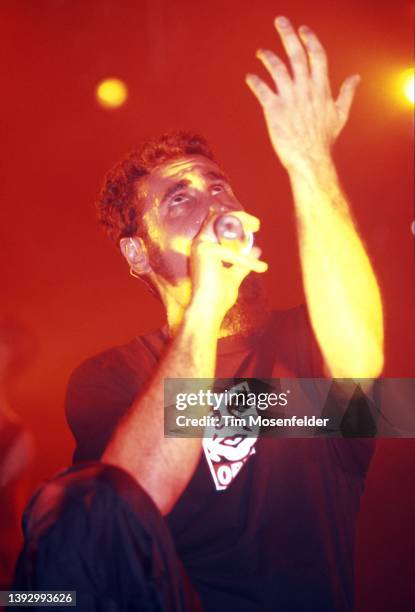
(111, 93)
(408, 85)
(410, 88)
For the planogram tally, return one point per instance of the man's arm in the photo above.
(303, 122)
(341, 289)
(163, 465)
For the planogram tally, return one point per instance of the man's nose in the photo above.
(218, 208)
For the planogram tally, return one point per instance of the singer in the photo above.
(254, 524)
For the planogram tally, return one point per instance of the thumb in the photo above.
(240, 272)
(346, 96)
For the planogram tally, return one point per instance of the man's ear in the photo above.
(135, 252)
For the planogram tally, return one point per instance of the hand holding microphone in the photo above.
(233, 235)
(222, 256)
(230, 232)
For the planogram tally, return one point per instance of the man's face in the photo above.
(179, 196)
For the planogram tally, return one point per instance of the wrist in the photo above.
(316, 188)
(314, 163)
(315, 172)
(199, 316)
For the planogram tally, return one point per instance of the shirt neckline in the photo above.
(227, 345)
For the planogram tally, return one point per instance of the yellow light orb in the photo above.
(405, 86)
(409, 86)
(111, 93)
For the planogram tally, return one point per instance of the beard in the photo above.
(250, 309)
(160, 264)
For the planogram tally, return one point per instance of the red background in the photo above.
(184, 63)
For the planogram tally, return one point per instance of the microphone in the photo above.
(230, 232)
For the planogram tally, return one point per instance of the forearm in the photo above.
(162, 465)
(342, 293)
(303, 121)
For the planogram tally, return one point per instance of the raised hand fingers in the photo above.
(293, 48)
(345, 97)
(317, 58)
(261, 91)
(277, 70)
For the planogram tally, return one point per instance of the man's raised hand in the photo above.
(302, 118)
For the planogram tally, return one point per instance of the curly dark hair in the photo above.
(118, 205)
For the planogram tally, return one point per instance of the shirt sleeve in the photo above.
(350, 454)
(99, 393)
(297, 347)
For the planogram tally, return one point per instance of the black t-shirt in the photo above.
(278, 532)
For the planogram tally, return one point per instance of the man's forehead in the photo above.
(185, 164)
(178, 169)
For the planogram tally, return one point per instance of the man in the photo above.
(278, 533)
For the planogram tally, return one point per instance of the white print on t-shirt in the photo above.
(228, 447)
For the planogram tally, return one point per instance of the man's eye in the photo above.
(178, 199)
(217, 189)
